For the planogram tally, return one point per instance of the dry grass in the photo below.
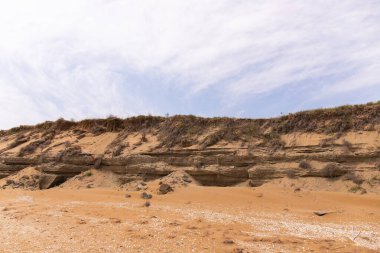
(332, 120)
(273, 140)
(20, 139)
(45, 141)
(185, 130)
(118, 150)
(357, 188)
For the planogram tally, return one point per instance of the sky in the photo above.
(81, 59)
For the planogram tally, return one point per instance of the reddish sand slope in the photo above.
(190, 219)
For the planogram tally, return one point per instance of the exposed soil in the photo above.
(304, 182)
(190, 219)
(92, 179)
(27, 178)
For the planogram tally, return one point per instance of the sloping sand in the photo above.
(370, 184)
(92, 179)
(27, 178)
(96, 144)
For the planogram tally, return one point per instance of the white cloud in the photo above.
(63, 58)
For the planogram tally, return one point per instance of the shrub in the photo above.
(212, 139)
(72, 151)
(98, 163)
(20, 139)
(250, 149)
(81, 136)
(88, 174)
(357, 188)
(118, 150)
(326, 142)
(354, 178)
(332, 170)
(33, 146)
(98, 130)
(273, 140)
(29, 149)
(78, 132)
(305, 165)
(186, 143)
(348, 145)
(143, 138)
(375, 179)
(291, 174)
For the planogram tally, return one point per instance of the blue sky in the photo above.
(91, 58)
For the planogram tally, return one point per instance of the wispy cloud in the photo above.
(88, 58)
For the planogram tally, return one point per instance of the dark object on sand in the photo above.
(145, 195)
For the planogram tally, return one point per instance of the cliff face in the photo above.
(330, 143)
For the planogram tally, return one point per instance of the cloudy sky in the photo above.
(244, 58)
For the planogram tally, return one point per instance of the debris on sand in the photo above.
(178, 178)
(239, 250)
(92, 178)
(136, 185)
(145, 195)
(228, 241)
(164, 188)
(323, 213)
(174, 180)
(29, 178)
(320, 213)
(164, 185)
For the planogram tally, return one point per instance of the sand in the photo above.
(190, 219)
(333, 185)
(27, 178)
(364, 139)
(59, 143)
(96, 144)
(92, 178)
(137, 144)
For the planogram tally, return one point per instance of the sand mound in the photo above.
(92, 179)
(166, 184)
(28, 178)
(174, 180)
(178, 179)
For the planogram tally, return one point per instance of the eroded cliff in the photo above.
(342, 142)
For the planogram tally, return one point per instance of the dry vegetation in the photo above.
(332, 120)
(354, 178)
(333, 170)
(305, 165)
(183, 131)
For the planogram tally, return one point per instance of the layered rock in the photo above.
(218, 151)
